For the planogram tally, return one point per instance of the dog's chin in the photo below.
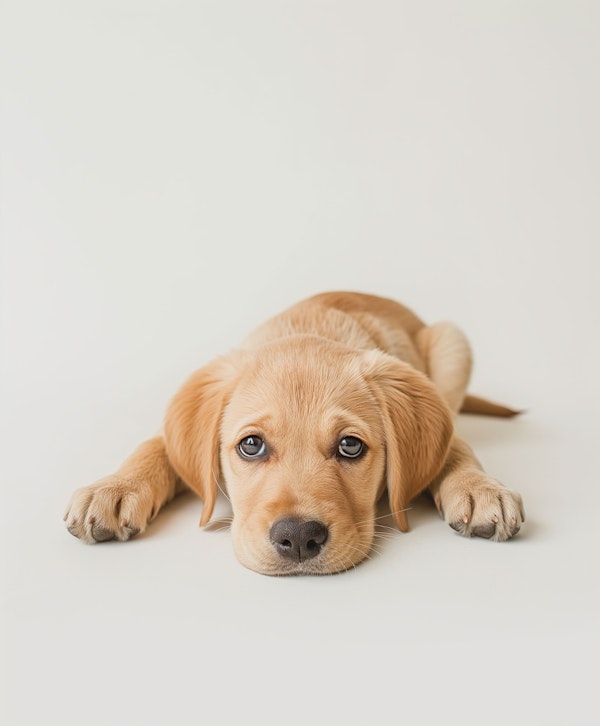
(326, 563)
(295, 569)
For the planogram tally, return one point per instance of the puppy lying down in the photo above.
(321, 411)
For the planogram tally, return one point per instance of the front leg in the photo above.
(121, 505)
(472, 502)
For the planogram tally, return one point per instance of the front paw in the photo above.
(480, 506)
(113, 508)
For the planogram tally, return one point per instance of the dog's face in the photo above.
(306, 434)
(303, 455)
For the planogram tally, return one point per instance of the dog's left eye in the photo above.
(252, 447)
(350, 447)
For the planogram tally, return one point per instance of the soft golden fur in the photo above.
(331, 371)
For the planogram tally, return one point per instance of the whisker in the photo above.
(383, 516)
(216, 525)
(379, 527)
(220, 488)
(361, 552)
(383, 536)
(343, 566)
(381, 531)
(380, 540)
(398, 511)
(339, 564)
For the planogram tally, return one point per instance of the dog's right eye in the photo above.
(351, 448)
(252, 447)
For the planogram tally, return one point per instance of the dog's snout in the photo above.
(298, 540)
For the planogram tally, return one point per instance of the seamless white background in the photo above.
(175, 172)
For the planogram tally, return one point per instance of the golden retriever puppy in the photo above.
(321, 411)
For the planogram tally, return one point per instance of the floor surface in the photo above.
(174, 173)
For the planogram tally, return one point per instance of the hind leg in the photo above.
(448, 360)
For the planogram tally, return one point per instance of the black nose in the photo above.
(298, 540)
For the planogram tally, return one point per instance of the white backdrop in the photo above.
(174, 172)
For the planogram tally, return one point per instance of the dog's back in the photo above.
(353, 319)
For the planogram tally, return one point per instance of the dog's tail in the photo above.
(474, 404)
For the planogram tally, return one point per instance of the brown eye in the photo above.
(252, 447)
(350, 447)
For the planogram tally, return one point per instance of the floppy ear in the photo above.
(417, 425)
(192, 429)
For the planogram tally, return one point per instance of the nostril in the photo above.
(298, 540)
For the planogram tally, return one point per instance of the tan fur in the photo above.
(475, 404)
(332, 366)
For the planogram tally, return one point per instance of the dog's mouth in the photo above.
(303, 568)
(316, 566)
(296, 546)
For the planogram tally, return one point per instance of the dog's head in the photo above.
(306, 434)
